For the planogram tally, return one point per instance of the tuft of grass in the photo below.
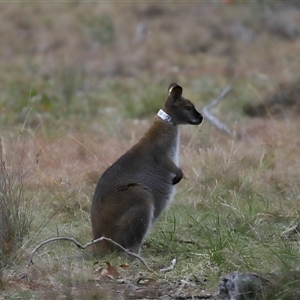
(15, 213)
(69, 81)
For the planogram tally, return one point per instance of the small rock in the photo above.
(241, 286)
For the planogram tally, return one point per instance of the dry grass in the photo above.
(79, 86)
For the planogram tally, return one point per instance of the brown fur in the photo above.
(132, 193)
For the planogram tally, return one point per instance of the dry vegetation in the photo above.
(80, 83)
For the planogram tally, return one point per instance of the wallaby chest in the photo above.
(174, 151)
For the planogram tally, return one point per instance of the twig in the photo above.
(170, 268)
(30, 261)
(291, 230)
(212, 119)
(1, 149)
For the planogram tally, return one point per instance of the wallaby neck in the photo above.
(161, 132)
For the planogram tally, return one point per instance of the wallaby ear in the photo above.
(175, 91)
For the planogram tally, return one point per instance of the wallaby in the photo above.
(133, 192)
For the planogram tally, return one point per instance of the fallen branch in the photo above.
(30, 261)
(212, 119)
(291, 231)
(170, 268)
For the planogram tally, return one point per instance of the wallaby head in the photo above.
(132, 193)
(181, 110)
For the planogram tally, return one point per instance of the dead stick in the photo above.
(212, 119)
(30, 261)
(170, 268)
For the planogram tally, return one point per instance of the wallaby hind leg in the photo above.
(124, 216)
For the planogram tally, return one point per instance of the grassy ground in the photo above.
(81, 82)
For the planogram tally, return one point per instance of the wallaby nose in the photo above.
(198, 119)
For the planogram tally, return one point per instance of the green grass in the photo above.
(80, 92)
(16, 214)
(228, 214)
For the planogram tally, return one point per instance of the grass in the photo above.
(80, 92)
(16, 214)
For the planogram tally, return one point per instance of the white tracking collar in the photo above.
(164, 116)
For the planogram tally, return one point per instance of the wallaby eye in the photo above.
(188, 108)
